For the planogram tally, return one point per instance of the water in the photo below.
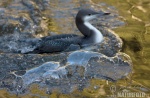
(135, 35)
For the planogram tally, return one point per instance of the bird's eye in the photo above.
(89, 14)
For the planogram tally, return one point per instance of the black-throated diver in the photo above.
(58, 43)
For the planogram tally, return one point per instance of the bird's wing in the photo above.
(50, 46)
(57, 45)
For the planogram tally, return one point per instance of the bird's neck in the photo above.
(90, 32)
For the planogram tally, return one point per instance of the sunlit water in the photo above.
(135, 35)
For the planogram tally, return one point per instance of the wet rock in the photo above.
(21, 20)
(77, 69)
(22, 23)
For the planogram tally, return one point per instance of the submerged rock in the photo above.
(22, 23)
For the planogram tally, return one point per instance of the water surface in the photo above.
(135, 35)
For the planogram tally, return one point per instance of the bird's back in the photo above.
(57, 43)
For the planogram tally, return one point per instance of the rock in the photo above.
(56, 71)
(23, 22)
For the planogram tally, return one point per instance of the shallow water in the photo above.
(135, 35)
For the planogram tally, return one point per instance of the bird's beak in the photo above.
(106, 14)
(101, 14)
